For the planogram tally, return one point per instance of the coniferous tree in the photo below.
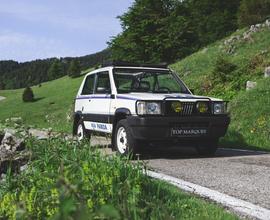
(28, 95)
(2, 85)
(56, 70)
(74, 69)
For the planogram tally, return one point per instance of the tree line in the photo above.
(15, 75)
(168, 30)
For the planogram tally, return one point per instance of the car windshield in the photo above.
(145, 80)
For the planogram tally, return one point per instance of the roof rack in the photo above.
(128, 64)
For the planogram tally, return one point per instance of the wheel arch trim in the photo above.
(76, 118)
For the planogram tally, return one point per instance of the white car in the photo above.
(147, 104)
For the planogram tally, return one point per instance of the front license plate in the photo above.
(188, 132)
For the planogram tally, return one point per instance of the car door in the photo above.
(97, 110)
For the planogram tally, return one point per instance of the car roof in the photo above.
(108, 68)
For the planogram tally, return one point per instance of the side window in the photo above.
(103, 85)
(88, 87)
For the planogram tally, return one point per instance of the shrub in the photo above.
(28, 95)
(256, 61)
(206, 85)
(253, 12)
(223, 69)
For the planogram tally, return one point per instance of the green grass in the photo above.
(250, 113)
(72, 181)
(54, 103)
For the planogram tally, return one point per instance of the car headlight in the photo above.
(148, 108)
(177, 107)
(202, 107)
(219, 108)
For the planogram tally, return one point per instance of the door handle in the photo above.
(89, 100)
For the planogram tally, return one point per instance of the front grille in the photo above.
(187, 109)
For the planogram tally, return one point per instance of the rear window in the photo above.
(88, 87)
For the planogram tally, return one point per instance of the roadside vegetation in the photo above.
(74, 181)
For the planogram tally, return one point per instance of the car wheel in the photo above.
(82, 133)
(124, 143)
(208, 148)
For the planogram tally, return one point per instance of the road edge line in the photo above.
(237, 205)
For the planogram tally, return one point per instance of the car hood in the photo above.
(155, 96)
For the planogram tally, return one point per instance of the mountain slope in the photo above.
(247, 51)
(222, 70)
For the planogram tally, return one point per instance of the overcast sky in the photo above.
(34, 29)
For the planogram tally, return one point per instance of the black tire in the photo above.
(208, 148)
(130, 143)
(81, 132)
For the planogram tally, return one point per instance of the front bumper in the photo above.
(159, 128)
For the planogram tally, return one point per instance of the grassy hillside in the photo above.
(52, 108)
(222, 70)
(249, 58)
(250, 112)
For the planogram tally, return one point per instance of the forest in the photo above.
(14, 75)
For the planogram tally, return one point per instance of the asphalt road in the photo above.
(242, 174)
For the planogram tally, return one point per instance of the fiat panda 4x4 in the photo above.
(147, 104)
